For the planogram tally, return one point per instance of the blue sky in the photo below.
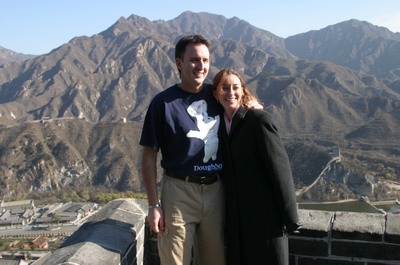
(38, 26)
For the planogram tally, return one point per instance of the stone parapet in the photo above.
(118, 234)
(346, 238)
(114, 235)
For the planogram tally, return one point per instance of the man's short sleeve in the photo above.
(153, 126)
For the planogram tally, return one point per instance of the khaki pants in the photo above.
(193, 213)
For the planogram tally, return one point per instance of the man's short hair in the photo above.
(180, 47)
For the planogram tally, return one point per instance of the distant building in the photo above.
(12, 219)
(14, 243)
(17, 207)
(16, 212)
(335, 152)
(5, 215)
(72, 212)
(28, 215)
(40, 242)
(24, 212)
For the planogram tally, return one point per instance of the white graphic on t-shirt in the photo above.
(208, 129)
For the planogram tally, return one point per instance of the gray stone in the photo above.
(392, 233)
(85, 253)
(358, 226)
(315, 223)
(119, 212)
(109, 236)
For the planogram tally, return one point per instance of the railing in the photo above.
(118, 234)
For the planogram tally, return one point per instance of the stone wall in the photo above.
(346, 238)
(117, 234)
(114, 235)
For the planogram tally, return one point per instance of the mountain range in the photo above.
(333, 88)
(11, 56)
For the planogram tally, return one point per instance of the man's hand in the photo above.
(254, 104)
(155, 218)
(155, 215)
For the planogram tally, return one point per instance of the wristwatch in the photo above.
(155, 205)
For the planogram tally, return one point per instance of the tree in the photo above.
(56, 218)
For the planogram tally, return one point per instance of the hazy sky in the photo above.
(38, 26)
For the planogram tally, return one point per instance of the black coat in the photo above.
(260, 193)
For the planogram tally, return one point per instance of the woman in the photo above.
(260, 195)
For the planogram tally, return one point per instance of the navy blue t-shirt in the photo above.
(185, 127)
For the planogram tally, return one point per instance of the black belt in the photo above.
(202, 180)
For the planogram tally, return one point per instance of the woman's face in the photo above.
(229, 93)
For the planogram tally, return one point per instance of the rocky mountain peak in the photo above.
(7, 55)
(355, 44)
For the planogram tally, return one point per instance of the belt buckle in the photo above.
(202, 178)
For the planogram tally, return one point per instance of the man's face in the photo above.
(194, 66)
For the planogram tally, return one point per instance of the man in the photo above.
(182, 121)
